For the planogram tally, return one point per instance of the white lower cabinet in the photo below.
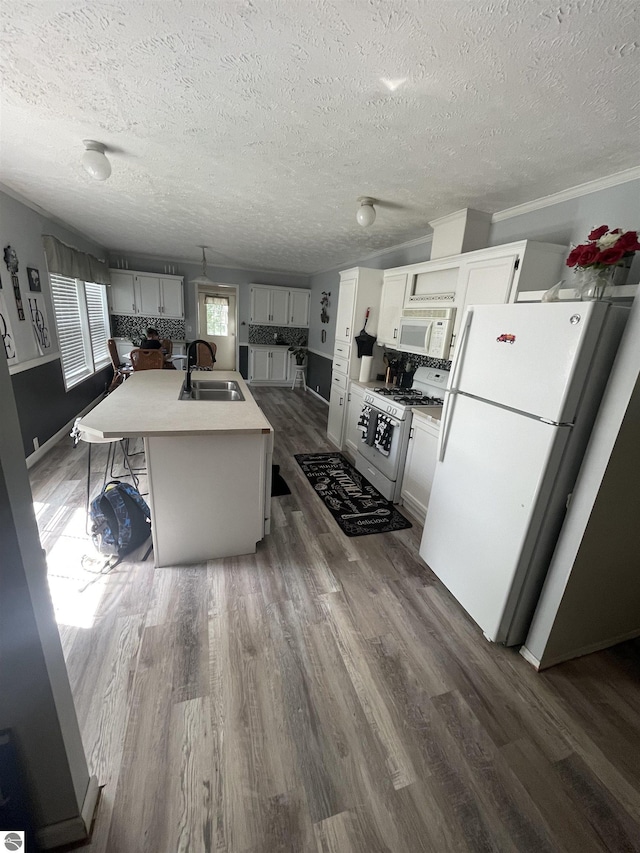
(420, 466)
(269, 364)
(355, 399)
(337, 407)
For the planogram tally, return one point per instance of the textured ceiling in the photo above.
(254, 125)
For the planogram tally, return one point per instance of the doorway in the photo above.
(217, 322)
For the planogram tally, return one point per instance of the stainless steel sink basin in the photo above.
(216, 384)
(209, 389)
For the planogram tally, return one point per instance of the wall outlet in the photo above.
(36, 443)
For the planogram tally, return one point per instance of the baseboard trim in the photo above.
(75, 828)
(578, 653)
(51, 442)
(318, 396)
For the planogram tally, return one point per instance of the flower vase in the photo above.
(593, 282)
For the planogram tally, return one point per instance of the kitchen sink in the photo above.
(213, 389)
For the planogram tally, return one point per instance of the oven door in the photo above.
(385, 468)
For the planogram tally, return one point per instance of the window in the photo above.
(82, 321)
(217, 308)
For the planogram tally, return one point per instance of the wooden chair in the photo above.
(120, 370)
(203, 357)
(147, 359)
(167, 348)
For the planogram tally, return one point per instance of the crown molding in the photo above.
(122, 255)
(568, 194)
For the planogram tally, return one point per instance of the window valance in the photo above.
(69, 262)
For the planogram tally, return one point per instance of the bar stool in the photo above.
(79, 434)
(299, 374)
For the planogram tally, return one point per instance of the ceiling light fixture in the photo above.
(204, 278)
(366, 214)
(95, 161)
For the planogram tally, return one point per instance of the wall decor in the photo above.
(11, 260)
(324, 302)
(33, 277)
(8, 340)
(39, 322)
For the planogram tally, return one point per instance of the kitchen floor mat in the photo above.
(355, 504)
(278, 483)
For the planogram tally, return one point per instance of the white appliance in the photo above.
(523, 394)
(385, 422)
(427, 332)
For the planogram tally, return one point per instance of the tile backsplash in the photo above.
(421, 360)
(133, 328)
(277, 334)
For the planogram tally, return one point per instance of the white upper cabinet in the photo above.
(279, 306)
(121, 291)
(299, 307)
(394, 286)
(138, 293)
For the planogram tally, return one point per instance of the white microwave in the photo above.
(427, 332)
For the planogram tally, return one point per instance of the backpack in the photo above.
(120, 519)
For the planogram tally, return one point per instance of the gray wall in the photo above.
(566, 223)
(35, 697)
(44, 406)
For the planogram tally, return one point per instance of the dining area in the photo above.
(155, 353)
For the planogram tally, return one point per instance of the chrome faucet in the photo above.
(191, 363)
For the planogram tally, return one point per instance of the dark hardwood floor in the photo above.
(326, 694)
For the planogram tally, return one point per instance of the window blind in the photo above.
(82, 322)
(98, 319)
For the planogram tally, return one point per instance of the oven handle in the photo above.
(452, 390)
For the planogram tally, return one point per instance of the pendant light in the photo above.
(95, 160)
(203, 278)
(366, 214)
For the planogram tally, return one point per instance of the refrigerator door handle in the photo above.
(452, 389)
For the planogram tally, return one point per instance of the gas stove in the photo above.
(426, 392)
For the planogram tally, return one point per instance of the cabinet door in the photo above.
(352, 436)
(280, 307)
(391, 304)
(279, 364)
(260, 305)
(122, 298)
(259, 364)
(150, 299)
(172, 304)
(344, 316)
(419, 468)
(485, 282)
(299, 308)
(337, 401)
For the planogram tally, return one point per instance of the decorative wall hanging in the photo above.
(8, 340)
(39, 322)
(11, 260)
(33, 277)
(324, 302)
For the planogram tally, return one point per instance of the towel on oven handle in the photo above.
(367, 424)
(384, 434)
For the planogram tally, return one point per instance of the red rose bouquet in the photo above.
(604, 248)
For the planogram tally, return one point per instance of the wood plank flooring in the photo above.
(326, 694)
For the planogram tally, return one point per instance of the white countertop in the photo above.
(147, 404)
(431, 415)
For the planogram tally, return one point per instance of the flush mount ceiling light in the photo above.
(204, 278)
(95, 161)
(366, 214)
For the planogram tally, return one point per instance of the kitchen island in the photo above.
(208, 463)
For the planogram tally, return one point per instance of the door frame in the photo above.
(236, 290)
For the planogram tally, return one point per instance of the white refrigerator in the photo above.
(523, 394)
